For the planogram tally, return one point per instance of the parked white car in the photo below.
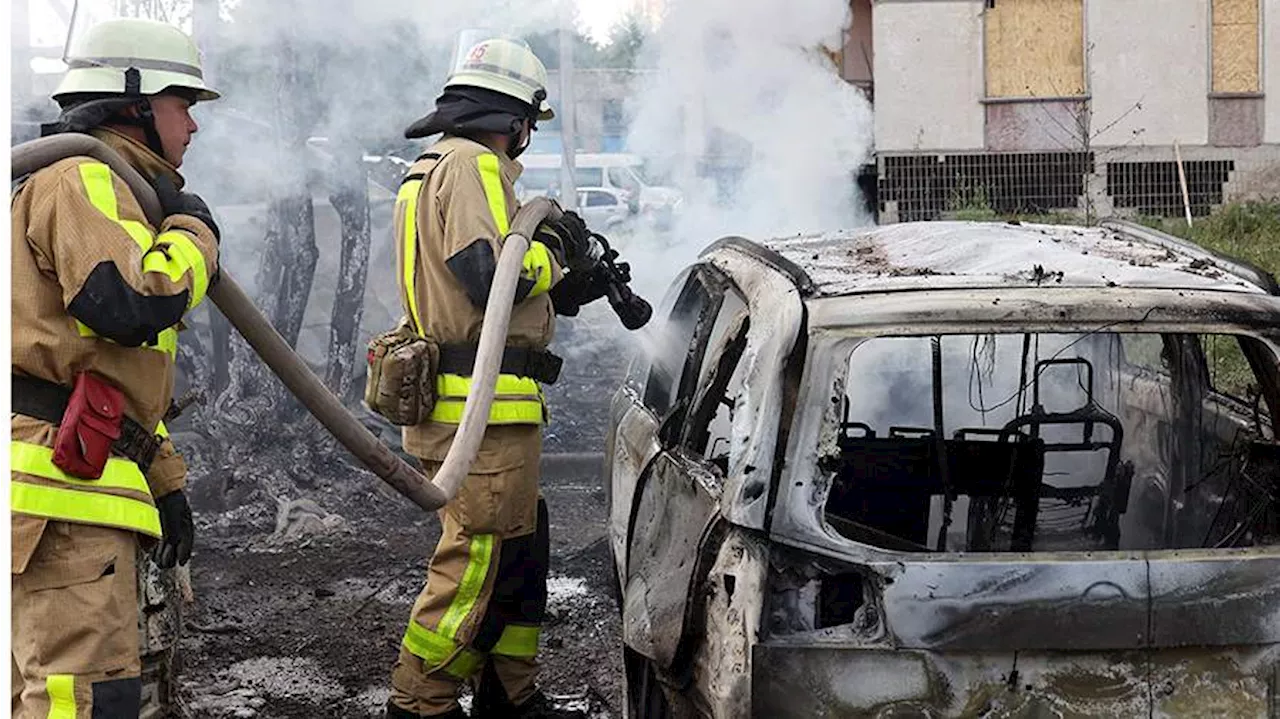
(603, 208)
(614, 171)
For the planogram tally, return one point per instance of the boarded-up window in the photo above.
(1235, 46)
(1035, 48)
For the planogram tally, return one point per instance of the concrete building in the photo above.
(1045, 105)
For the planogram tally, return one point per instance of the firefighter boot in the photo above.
(491, 701)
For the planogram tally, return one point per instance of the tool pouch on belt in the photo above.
(401, 383)
(89, 426)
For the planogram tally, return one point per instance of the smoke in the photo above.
(752, 122)
(744, 114)
(311, 88)
(343, 72)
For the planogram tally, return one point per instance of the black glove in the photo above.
(178, 528)
(173, 202)
(568, 236)
(576, 289)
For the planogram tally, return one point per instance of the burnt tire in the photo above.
(159, 629)
(646, 698)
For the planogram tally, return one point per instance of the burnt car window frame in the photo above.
(1251, 349)
(712, 282)
(715, 373)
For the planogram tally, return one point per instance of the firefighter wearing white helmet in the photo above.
(479, 615)
(98, 295)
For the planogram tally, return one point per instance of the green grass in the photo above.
(1248, 230)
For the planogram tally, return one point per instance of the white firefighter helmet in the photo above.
(158, 55)
(507, 67)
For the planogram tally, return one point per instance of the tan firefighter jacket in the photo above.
(454, 208)
(96, 287)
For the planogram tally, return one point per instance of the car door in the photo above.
(678, 494)
(650, 395)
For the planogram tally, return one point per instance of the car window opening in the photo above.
(1055, 442)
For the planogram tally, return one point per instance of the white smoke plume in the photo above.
(744, 85)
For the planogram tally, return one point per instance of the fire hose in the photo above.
(294, 373)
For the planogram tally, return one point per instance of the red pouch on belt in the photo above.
(89, 427)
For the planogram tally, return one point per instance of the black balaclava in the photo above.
(469, 111)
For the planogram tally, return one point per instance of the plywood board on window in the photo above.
(1235, 58)
(1035, 48)
(1235, 12)
(1235, 46)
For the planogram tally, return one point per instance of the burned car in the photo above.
(953, 469)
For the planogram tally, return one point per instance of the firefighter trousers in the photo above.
(74, 632)
(484, 599)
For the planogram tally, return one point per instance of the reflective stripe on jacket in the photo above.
(119, 498)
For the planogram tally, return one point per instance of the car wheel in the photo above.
(645, 696)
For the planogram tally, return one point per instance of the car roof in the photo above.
(969, 255)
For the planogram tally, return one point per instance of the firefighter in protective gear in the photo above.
(98, 296)
(478, 617)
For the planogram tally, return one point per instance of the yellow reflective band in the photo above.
(500, 412)
(517, 400)
(491, 178)
(70, 505)
(161, 430)
(479, 555)
(518, 640)
(173, 255)
(408, 196)
(452, 385)
(166, 341)
(61, 689)
(537, 268)
(102, 195)
(435, 650)
(36, 460)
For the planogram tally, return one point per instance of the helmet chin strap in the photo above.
(148, 122)
(514, 147)
(146, 119)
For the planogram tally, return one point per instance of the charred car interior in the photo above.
(1054, 442)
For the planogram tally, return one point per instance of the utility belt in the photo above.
(403, 368)
(519, 361)
(91, 423)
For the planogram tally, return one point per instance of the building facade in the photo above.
(1050, 105)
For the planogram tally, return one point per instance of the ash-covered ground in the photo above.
(303, 588)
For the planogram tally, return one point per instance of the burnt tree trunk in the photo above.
(289, 255)
(351, 201)
(288, 263)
